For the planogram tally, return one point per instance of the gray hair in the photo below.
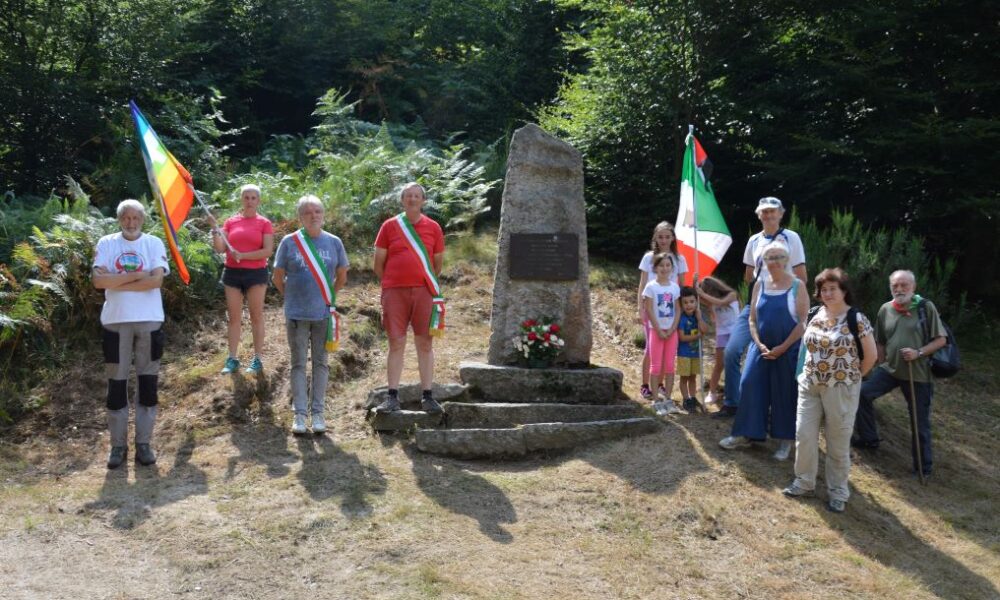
(130, 203)
(776, 245)
(413, 184)
(903, 273)
(306, 201)
(250, 187)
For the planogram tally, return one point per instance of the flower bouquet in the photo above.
(538, 342)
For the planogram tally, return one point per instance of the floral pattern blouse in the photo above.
(831, 357)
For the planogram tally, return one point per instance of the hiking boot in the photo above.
(794, 491)
(733, 442)
(117, 456)
(725, 412)
(836, 506)
(784, 449)
(232, 365)
(144, 455)
(298, 424)
(645, 392)
(318, 424)
(390, 404)
(429, 405)
(255, 366)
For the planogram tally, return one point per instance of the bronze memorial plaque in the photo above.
(551, 256)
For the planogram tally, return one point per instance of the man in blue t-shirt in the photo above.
(298, 270)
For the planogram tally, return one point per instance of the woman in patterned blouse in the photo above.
(829, 388)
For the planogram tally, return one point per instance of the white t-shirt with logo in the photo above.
(752, 256)
(663, 297)
(118, 255)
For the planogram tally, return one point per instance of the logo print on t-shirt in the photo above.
(665, 305)
(128, 262)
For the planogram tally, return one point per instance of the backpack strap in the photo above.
(852, 324)
(922, 320)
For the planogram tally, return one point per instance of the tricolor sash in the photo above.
(317, 267)
(416, 245)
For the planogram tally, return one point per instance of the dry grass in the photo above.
(237, 508)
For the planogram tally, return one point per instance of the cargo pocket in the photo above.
(110, 341)
(156, 341)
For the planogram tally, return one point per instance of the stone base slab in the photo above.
(403, 420)
(508, 414)
(515, 442)
(492, 383)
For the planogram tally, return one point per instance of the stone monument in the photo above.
(542, 267)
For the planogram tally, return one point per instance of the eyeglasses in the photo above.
(776, 258)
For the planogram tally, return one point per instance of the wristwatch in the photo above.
(920, 352)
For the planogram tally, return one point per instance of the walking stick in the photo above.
(913, 425)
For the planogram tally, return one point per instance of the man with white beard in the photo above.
(900, 341)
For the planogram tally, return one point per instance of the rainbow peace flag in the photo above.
(172, 186)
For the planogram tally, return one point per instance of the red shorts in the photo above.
(405, 306)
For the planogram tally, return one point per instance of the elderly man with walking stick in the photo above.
(904, 345)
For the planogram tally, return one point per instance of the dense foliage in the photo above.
(886, 109)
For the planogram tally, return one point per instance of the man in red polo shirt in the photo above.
(407, 300)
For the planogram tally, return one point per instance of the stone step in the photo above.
(403, 420)
(510, 414)
(492, 383)
(518, 441)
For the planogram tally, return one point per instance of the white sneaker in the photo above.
(660, 408)
(318, 424)
(784, 449)
(733, 442)
(710, 399)
(299, 424)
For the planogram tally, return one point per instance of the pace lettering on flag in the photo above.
(173, 189)
(702, 235)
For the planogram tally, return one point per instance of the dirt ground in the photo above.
(236, 507)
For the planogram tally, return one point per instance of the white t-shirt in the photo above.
(755, 247)
(680, 266)
(663, 297)
(725, 316)
(118, 255)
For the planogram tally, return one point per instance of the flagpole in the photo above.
(700, 392)
(201, 202)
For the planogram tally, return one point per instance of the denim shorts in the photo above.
(244, 279)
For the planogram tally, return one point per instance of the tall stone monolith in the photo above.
(542, 266)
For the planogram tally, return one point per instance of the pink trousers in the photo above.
(662, 353)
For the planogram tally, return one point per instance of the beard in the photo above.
(902, 299)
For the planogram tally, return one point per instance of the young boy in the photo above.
(690, 328)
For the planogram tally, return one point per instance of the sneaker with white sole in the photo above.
(733, 442)
(672, 408)
(836, 506)
(784, 449)
(661, 393)
(318, 424)
(255, 366)
(299, 424)
(232, 365)
(710, 399)
(794, 491)
(645, 392)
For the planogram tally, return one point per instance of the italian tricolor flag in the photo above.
(702, 235)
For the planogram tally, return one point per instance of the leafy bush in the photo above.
(869, 255)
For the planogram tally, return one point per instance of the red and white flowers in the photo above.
(538, 340)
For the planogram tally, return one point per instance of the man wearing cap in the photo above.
(769, 211)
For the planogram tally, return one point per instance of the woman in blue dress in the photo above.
(769, 391)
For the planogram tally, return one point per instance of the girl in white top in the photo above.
(660, 301)
(725, 306)
(663, 241)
